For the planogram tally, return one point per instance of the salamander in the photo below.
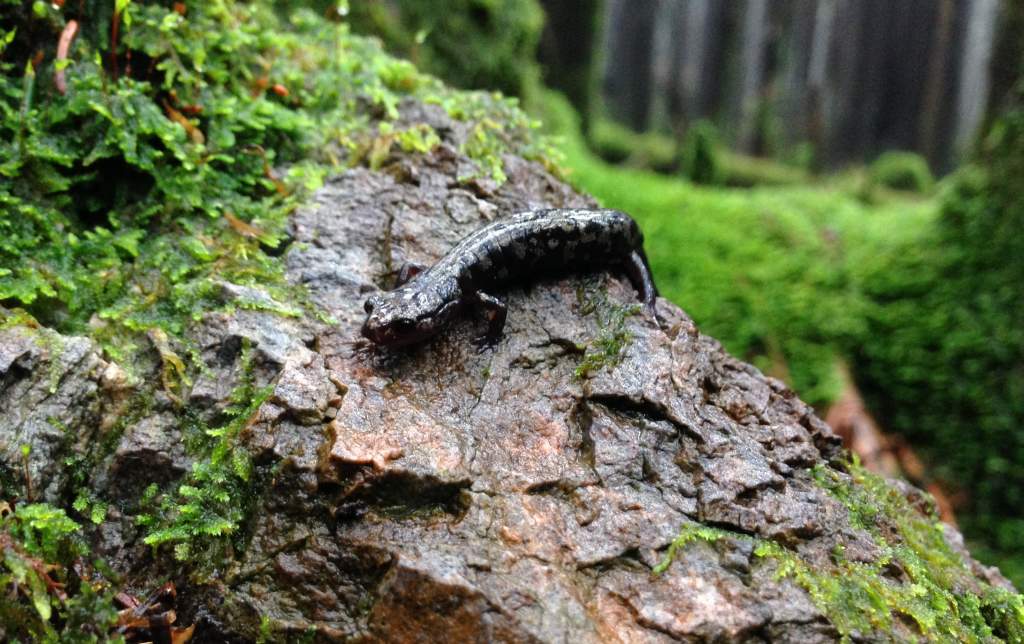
(515, 249)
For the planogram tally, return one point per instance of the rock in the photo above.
(53, 389)
(500, 496)
(506, 496)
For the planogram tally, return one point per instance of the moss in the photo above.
(50, 593)
(617, 143)
(701, 161)
(935, 594)
(204, 512)
(950, 307)
(480, 44)
(693, 532)
(917, 578)
(605, 350)
(901, 171)
(700, 158)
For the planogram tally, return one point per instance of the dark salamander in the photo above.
(511, 250)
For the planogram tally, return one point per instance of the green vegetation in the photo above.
(479, 44)
(606, 349)
(617, 143)
(45, 597)
(208, 507)
(702, 158)
(931, 592)
(218, 118)
(897, 170)
(214, 141)
(949, 376)
(929, 587)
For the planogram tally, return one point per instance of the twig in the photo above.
(67, 36)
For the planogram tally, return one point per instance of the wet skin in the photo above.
(512, 250)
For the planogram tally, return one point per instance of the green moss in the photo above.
(901, 171)
(38, 546)
(950, 306)
(935, 590)
(693, 532)
(617, 143)
(482, 44)
(213, 142)
(700, 157)
(204, 512)
(605, 350)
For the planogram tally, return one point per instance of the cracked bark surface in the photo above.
(442, 491)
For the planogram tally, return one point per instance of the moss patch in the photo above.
(45, 597)
(204, 512)
(605, 350)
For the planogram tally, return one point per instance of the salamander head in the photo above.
(405, 316)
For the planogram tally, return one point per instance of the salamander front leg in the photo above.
(640, 275)
(495, 311)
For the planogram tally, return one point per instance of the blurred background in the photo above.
(833, 188)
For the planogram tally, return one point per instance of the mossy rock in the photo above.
(271, 169)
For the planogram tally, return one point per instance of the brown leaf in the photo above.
(182, 635)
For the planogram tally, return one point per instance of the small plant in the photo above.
(206, 510)
(43, 597)
(904, 171)
(700, 157)
(859, 598)
(606, 349)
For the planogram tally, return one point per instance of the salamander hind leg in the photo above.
(495, 311)
(640, 276)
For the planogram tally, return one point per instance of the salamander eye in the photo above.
(372, 302)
